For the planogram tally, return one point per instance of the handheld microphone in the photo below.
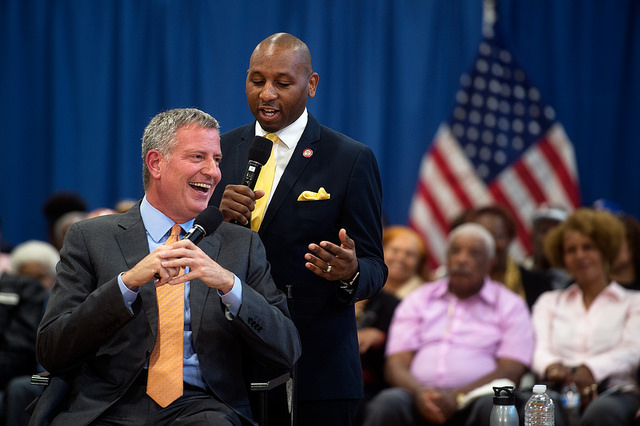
(205, 223)
(259, 153)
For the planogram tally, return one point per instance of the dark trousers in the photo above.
(617, 409)
(334, 412)
(194, 407)
(395, 406)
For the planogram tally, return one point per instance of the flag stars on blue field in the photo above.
(497, 116)
(500, 145)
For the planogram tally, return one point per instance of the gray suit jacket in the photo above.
(89, 335)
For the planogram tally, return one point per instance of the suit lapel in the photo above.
(133, 247)
(199, 291)
(132, 240)
(310, 139)
(239, 155)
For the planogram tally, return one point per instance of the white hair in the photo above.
(476, 230)
(34, 251)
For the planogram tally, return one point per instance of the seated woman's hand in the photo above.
(583, 377)
(585, 381)
(557, 373)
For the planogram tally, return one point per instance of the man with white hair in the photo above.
(23, 296)
(454, 339)
(35, 259)
(23, 293)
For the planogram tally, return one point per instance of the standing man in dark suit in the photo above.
(100, 326)
(322, 226)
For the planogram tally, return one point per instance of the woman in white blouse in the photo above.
(589, 333)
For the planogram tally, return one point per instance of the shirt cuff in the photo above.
(129, 296)
(233, 299)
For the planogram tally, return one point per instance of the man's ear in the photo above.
(155, 162)
(312, 84)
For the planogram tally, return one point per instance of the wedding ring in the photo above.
(328, 269)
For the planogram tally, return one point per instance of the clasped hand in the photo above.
(436, 406)
(166, 261)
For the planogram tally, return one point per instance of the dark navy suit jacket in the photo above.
(329, 367)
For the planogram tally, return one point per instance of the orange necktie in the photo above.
(164, 382)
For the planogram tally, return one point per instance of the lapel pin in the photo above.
(307, 153)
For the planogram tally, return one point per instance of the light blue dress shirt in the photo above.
(158, 227)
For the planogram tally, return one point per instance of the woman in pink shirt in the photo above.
(588, 333)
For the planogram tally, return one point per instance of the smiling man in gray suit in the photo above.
(100, 327)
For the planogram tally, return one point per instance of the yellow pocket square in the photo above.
(313, 196)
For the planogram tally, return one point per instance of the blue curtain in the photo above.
(80, 79)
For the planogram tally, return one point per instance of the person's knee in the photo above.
(606, 411)
(388, 404)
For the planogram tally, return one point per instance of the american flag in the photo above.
(502, 145)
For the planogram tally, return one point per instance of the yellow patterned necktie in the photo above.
(164, 382)
(265, 182)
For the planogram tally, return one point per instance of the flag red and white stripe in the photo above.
(501, 146)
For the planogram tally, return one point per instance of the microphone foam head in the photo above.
(260, 150)
(209, 218)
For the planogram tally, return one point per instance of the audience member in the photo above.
(100, 211)
(321, 224)
(57, 205)
(124, 205)
(452, 339)
(373, 317)
(588, 333)
(625, 270)
(404, 255)
(62, 224)
(22, 300)
(500, 223)
(544, 219)
(36, 259)
(103, 332)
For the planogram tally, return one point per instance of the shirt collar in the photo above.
(291, 134)
(157, 223)
(486, 293)
(613, 290)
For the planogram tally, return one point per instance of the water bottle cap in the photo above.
(504, 395)
(539, 388)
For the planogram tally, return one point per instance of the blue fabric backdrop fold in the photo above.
(79, 80)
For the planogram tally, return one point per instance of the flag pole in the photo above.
(488, 16)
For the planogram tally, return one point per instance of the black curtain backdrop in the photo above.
(79, 80)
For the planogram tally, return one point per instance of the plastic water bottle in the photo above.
(539, 408)
(504, 411)
(571, 403)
